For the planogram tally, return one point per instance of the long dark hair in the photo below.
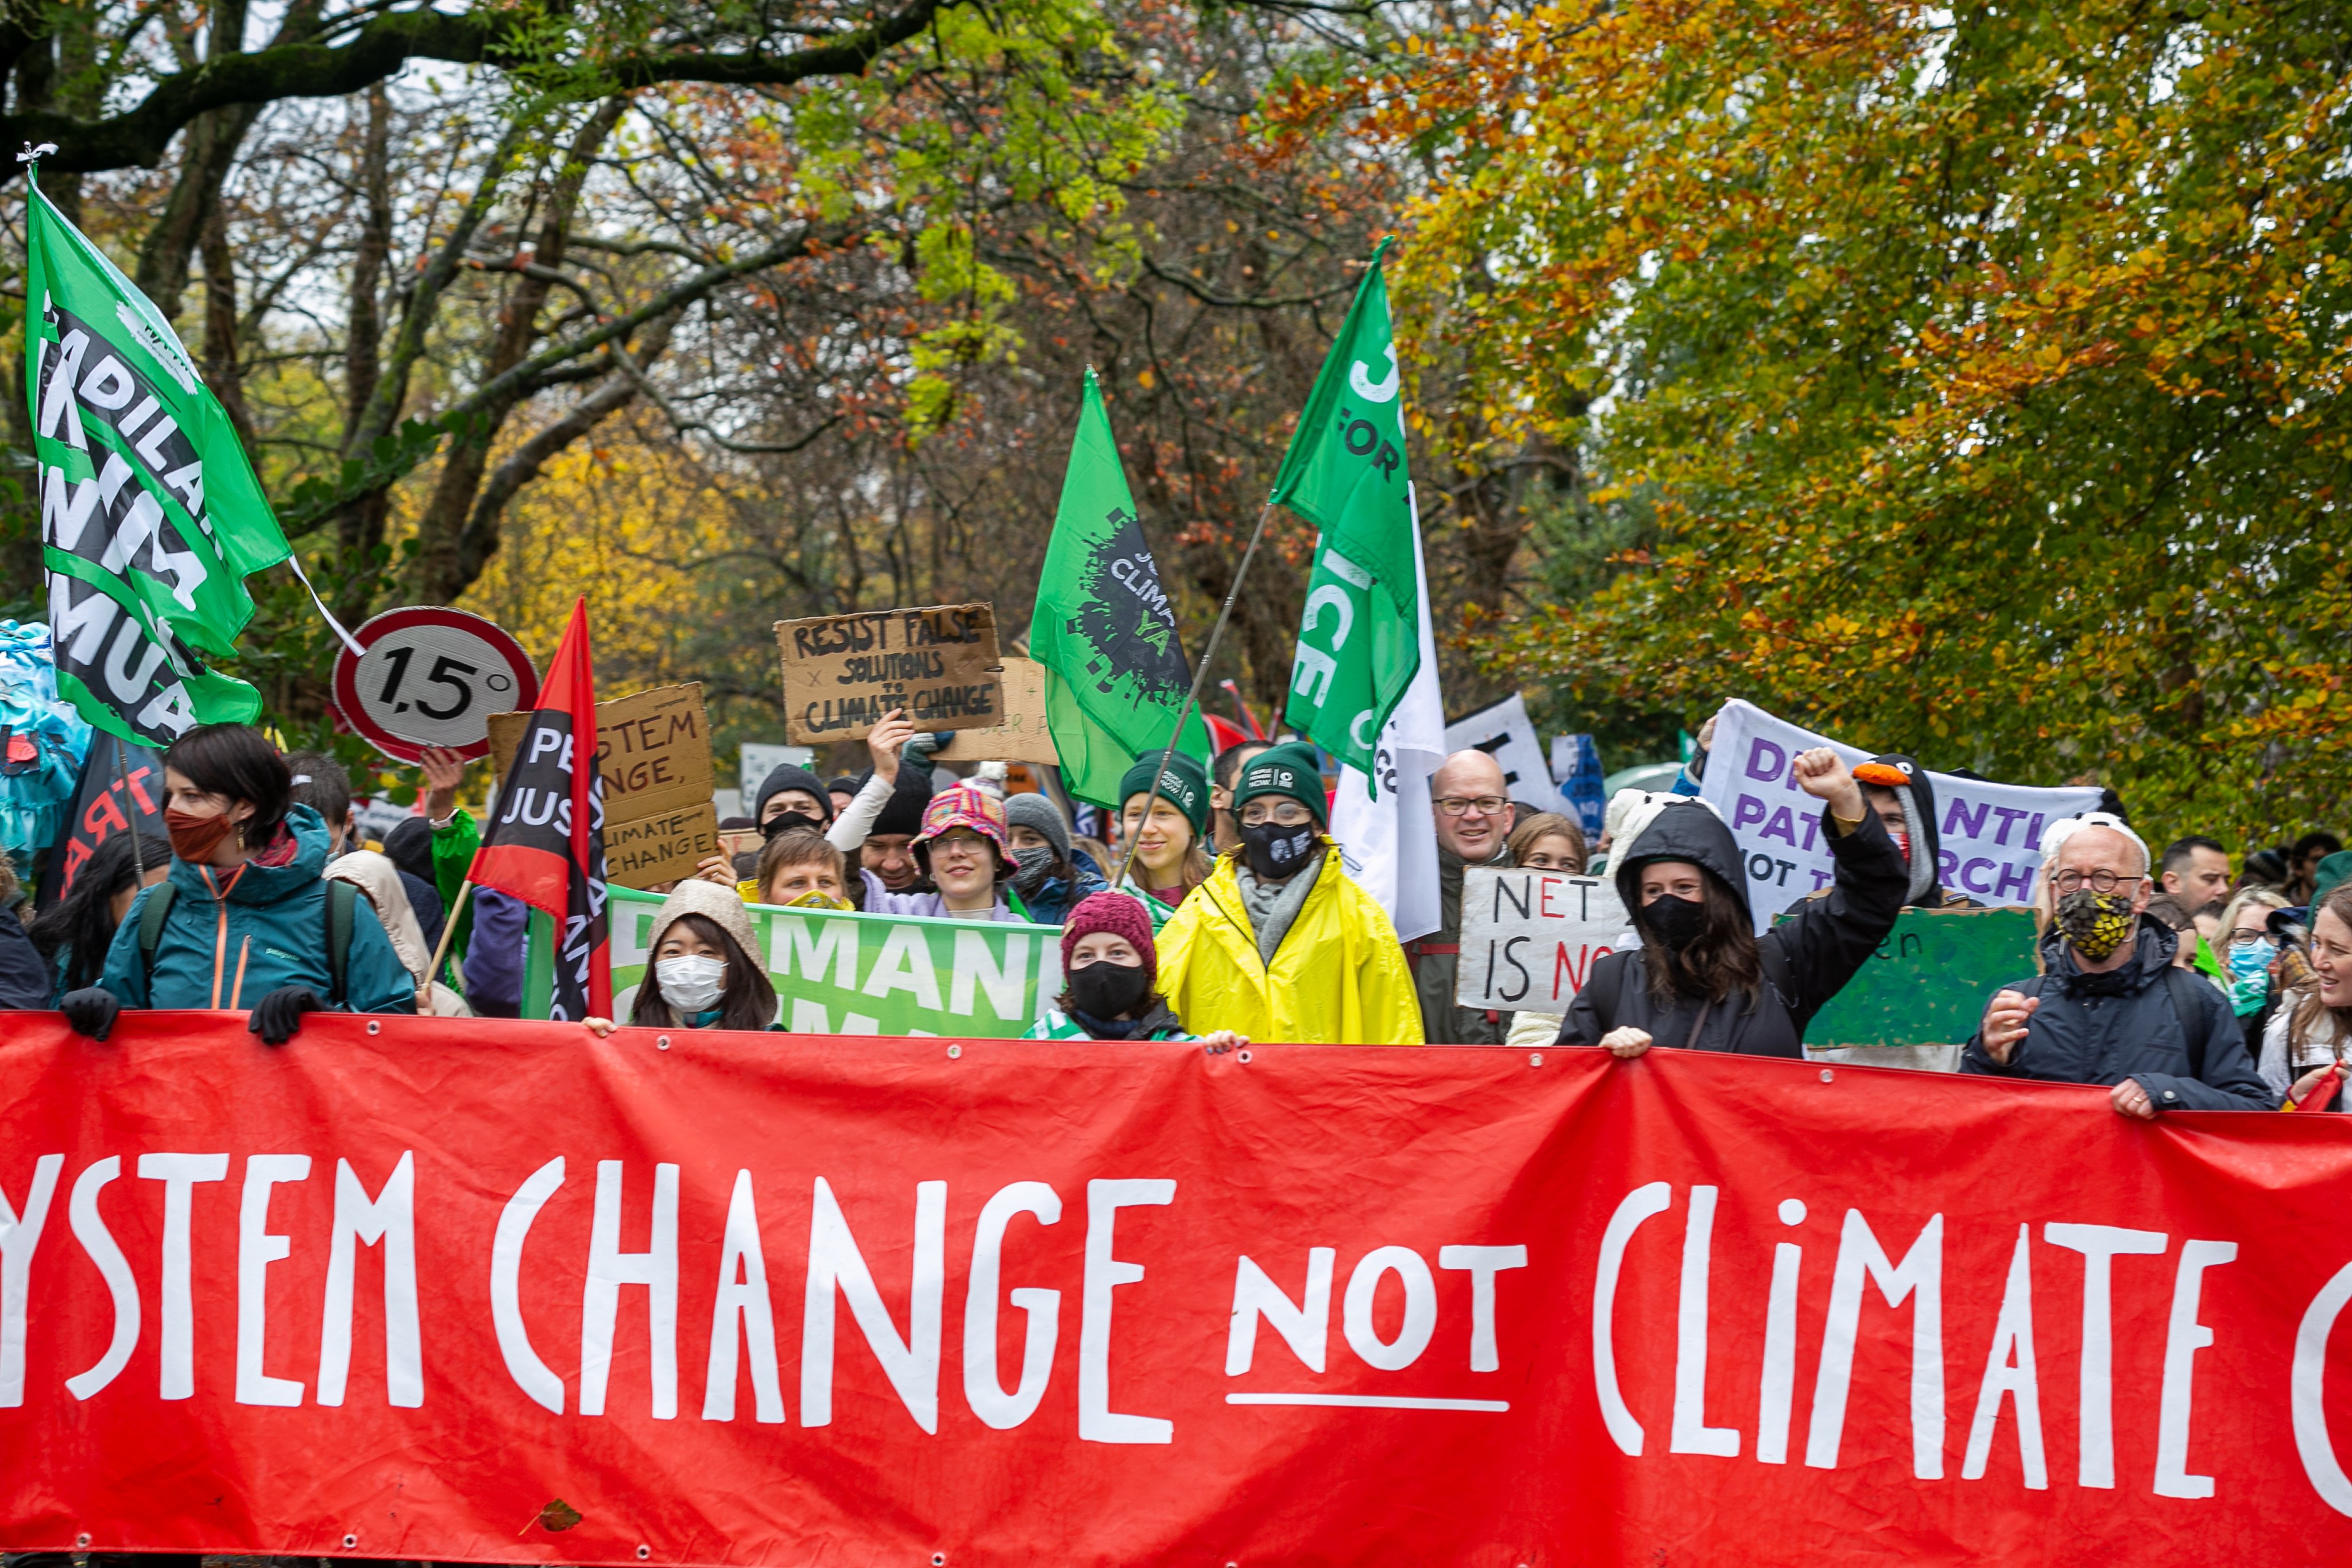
(1721, 960)
(82, 923)
(747, 1001)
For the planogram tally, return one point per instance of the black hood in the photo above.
(1918, 797)
(1684, 829)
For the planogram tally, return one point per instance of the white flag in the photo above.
(1388, 840)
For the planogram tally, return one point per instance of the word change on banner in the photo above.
(844, 673)
(653, 751)
(840, 973)
(1505, 733)
(1021, 732)
(1529, 939)
(1991, 832)
(687, 1298)
(430, 676)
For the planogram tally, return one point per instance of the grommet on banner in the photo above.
(1535, 1059)
(661, 1042)
(954, 1052)
(82, 1540)
(938, 1559)
(643, 1552)
(350, 1542)
(1241, 1056)
(1827, 1075)
(374, 1027)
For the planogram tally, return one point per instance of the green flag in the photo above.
(1115, 674)
(151, 514)
(1358, 642)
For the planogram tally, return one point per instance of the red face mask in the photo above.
(195, 838)
(1902, 842)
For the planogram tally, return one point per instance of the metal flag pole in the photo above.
(1199, 674)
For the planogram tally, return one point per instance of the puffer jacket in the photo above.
(1807, 958)
(2105, 1028)
(266, 928)
(1338, 978)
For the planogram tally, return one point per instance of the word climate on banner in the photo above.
(750, 1301)
(1991, 832)
(844, 673)
(1529, 939)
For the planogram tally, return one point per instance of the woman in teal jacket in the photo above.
(249, 921)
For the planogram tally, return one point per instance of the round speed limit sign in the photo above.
(431, 677)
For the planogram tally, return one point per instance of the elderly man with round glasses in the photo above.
(2111, 1007)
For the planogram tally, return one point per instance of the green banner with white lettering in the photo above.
(858, 974)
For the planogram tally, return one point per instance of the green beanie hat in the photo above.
(1184, 785)
(1285, 769)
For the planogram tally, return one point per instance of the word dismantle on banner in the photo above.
(760, 1298)
(1991, 832)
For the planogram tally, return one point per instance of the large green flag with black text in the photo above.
(1116, 676)
(151, 514)
(1358, 642)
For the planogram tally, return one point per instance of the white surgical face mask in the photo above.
(691, 985)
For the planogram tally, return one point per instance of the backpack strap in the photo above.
(2194, 1026)
(152, 916)
(342, 915)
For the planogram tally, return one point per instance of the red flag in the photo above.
(546, 844)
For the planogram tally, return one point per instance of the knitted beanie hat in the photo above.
(1039, 814)
(903, 812)
(786, 775)
(1285, 769)
(1120, 915)
(722, 906)
(1184, 785)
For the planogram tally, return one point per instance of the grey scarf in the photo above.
(1272, 906)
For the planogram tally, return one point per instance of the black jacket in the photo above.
(2103, 1028)
(1807, 958)
(26, 978)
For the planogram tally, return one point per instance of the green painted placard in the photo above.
(858, 974)
(1929, 980)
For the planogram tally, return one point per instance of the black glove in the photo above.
(91, 1011)
(278, 1015)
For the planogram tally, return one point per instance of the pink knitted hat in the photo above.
(1119, 913)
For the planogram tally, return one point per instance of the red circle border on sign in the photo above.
(347, 672)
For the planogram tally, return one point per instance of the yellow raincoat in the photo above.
(1338, 978)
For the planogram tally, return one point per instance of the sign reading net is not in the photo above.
(1529, 939)
(843, 674)
(654, 752)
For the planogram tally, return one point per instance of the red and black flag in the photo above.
(121, 787)
(545, 844)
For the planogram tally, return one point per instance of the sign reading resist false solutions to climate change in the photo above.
(758, 1299)
(1991, 832)
(844, 673)
(1529, 938)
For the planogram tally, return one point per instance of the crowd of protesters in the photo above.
(2178, 981)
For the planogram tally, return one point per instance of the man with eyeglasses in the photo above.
(1470, 801)
(2111, 1007)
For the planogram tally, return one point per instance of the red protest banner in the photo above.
(404, 1286)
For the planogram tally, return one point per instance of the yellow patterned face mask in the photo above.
(817, 898)
(2095, 924)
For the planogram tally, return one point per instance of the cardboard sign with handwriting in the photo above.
(1023, 736)
(654, 751)
(844, 673)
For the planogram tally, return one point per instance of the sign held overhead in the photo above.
(844, 673)
(653, 751)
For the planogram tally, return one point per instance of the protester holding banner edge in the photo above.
(1702, 979)
(245, 911)
(1110, 973)
(700, 972)
(2110, 1007)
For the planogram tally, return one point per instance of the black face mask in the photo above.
(1105, 990)
(1275, 852)
(787, 823)
(1675, 922)
(1036, 864)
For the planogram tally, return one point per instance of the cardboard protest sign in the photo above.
(844, 673)
(1023, 736)
(1991, 832)
(1505, 733)
(1529, 938)
(839, 973)
(654, 752)
(1916, 999)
